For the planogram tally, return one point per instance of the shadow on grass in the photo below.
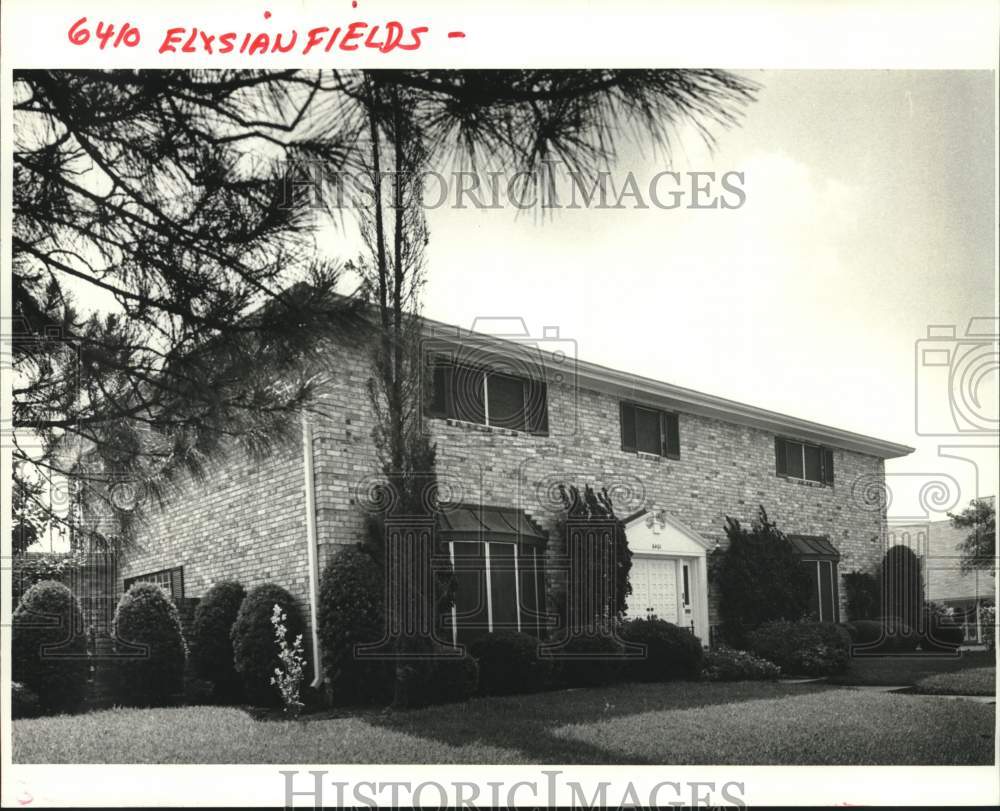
(908, 669)
(528, 723)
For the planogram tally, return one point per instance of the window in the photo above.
(648, 430)
(823, 590)
(488, 397)
(500, 586)
(801, 460)
(819, 557)
(172, 580)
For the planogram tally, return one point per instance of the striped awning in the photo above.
(470, 522)
(814, 547)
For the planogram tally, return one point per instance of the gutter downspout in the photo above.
(312, 548)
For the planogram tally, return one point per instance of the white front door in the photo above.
(654, 588)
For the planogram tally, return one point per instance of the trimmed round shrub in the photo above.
(590, 660)
(671, 652)
(149, 645)
(211, 645)
(50, 647)
(351, 611)
(887, 635)
(450, 679)
(509, 663)
(803, 648)
(255, 651)
(728, 664)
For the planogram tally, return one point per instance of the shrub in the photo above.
(509, 663)
(23, 702)
(255, 655)
(861, 590)
(352, 611)
(150, 644)
(288, 677)
(590, 660)
(671, 652)
(803, 648)
(892, 635)
(902, 585)
(211, 645)
(759, 577)
(449, 679)
(50, 647)
(727, 664)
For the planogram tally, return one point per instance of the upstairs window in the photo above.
(801, 460)
(171, 580)
(489, 397)
(649, 430)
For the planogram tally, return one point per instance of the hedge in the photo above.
(671, 652)
(728, 664)
(887, 635)
(590, 660)
(351, 611)
(211, 644)
(150, 647)
(255, 652)
(509, 663)
(803, 648)
(50, 647)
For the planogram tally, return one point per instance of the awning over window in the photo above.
(814, 547)
(469, 522)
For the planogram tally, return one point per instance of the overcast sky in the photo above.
(869, 215)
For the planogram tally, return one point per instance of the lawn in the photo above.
(676, 723)
(909, 669)
(972, 681)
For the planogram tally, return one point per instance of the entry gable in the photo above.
(657, 532)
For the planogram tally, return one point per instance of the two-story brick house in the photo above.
(512, 418)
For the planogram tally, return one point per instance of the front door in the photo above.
(654, 588)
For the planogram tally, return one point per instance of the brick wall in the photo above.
(246, 519)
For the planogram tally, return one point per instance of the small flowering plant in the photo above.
(288, 677)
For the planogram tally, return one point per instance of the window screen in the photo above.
(793, 456)
(813, 463)
(647, 431)
(506, 401)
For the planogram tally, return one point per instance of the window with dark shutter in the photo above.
(648, 435)
(649, 430)
(780, 458)
(505, 399)
(802, 460)
(475, 394)
(793, 459)
(441, 384)
(171, 580)
(673, 435)
(812, 457)
(628, 427)
(536, 406)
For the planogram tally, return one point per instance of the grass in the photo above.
(676, 723)
(973, 681)
(909, 669)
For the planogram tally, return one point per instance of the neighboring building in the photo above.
(937, 544)
(512, 418)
